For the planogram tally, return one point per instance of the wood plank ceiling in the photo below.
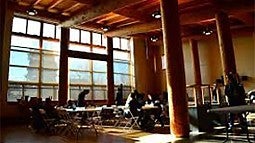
(134, 17)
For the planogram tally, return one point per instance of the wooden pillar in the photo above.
(6, 17)
(110, 75)
(226, 44)
(175, 73)
(197, 72)
(63, 70)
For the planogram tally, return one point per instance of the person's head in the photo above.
(85, 91)
(230, 78)
(133, 95)
(47, 100)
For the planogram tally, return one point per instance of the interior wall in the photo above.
(210, 59)
(147, 68)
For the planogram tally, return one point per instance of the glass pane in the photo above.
(100, 66)
(99, 78)
(75, 90)
(121, 55)
(31, 90)
(33, 27)
(116, 42)
(100, 93)
(104, 41)
(50, 76)
(99, 50)
(74, 35)
(121, 79)
(51, 45)
(79, 64)
(121, 67)
(124, 44)
(50, 92)
(81, 48)
(23, 74)
(19, 25)
(80, 77)
(58, 32)
(85, 37)
(48, 30)
(25, 42)
(24, 59)
(14, 92)
(96, 39)
(50, 61)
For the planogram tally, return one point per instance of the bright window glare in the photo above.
(33, 27)
(85, 37)
(124, 44)
(48, 30)
(96, 39)
(19, 25)
(116, 42)
(74, 35)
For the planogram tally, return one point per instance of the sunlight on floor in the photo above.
(155, 138)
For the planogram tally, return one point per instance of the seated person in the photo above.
(133, 105)
(49, 108)
(81, 96)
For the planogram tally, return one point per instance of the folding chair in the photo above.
(131, 119)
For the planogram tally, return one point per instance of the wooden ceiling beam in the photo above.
(132, 14)
(135, 29)
(54, 3)
(185, 18)
(104, 7)
(87, 2)
(36, 2)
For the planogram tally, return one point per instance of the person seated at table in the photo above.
(81, 96)
(37, 120)
(134, 105)
(235, 93)
(49, 108)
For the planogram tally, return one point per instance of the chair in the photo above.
(132, 120)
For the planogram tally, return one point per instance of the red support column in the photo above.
(110, 75)
(175, 73)
(63, 70)
(197, 72)
(226, 44)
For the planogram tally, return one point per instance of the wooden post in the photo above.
(175, 73)
(6, 17)
(226, 44)
(110, 75)
(197, 72)
(63, 70)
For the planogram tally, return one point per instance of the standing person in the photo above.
(236, 96)
(119, 97)
(81, 96)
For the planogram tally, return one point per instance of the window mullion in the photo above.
(40, 61)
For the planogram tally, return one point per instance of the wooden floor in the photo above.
(22, 134)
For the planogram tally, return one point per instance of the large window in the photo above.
(34, 60)
(122, 64)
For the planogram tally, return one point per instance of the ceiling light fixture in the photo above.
(32, 12)
(154, 38)
(156, 14)
(105, 28)
(207, 31)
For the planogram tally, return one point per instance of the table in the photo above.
(241, 109)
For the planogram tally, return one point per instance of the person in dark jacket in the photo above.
(81, 96)
(235, 93)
